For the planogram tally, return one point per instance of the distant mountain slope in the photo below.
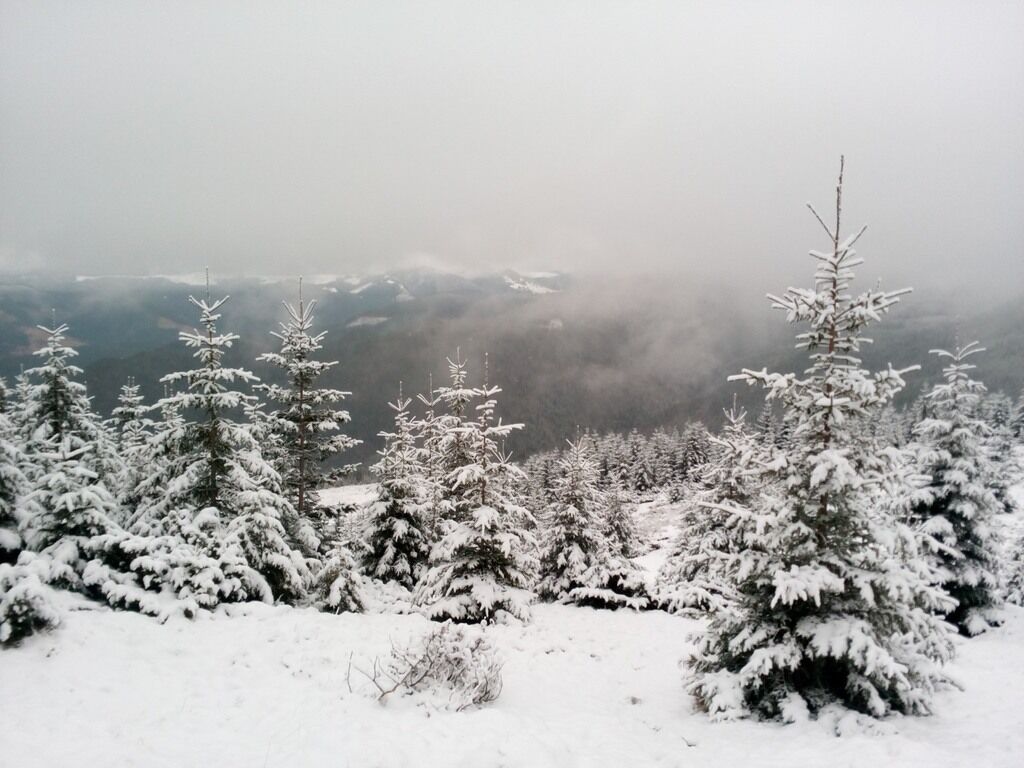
(601, 353)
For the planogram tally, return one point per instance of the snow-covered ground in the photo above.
(266, 686)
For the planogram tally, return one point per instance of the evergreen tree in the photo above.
(212, 467)
(398, 544)
(305, 421)
(1017, 421)
(997, 412)
(696, 449)
(829, 607)
(12, 486)
(56, 408)
(453, 431)
(957, 517)
(576, 563)
(619, 525)
(132, 430)
(693, 579)
(572, 540)
(481, 568)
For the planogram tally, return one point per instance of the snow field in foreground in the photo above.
(267, 687)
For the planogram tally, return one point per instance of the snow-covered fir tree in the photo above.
(576, 563)
(1017, 420)
(619, 525)
(56, 408)
(830, 606)
(12, 486)
(481, 569)
(212, 468)
(957, 517)
(398, 543)
(572, 532)
(693, 579)
(132, 431)
(305, 421)
(997, 412)
(452, 432)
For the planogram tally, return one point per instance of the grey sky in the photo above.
(285, 137)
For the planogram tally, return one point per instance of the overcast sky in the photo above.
(291, 136)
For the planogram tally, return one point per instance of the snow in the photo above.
(357, 495)
(527, 286)
(266, 686)
(366, 320)
(261, 685)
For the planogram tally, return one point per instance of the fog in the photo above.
(602, 137)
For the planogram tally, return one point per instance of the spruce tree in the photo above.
(132, 431)
(958, 515)
(572, 531)
(482, 567)
(304, 419)
(211, 468)
(397, 538)
(693, 580)
(56, 408)
(576, 563)
(830, 606)
(12, 486)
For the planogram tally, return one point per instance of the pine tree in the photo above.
(454, 448)
(958, 517)
(132, 430)
(211, 467)
(693, 579)
(576, 563)
(481, 568)
(572, 533)
(696, 449)
(56, 408)
(397, 529)
(997, 412)
(1017, 422)
(829, 607)
(305, 421)
(619, 525)
(12, 486)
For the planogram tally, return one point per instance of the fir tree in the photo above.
(132, 430)
(957, 518)
(576, 564)
(481, 568)
(619, 525)
(829, 607)
(56, 408)
(12, 486)
(693, 580)
(305, 421)
(212, 466)
(398, 544)
(572, 540)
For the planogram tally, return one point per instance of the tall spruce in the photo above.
(482, 567)
(398, 543)
(303, 417)
(957, 516)
(693, 580)
(830, 607)
(211, 469)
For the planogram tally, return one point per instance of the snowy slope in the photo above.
(582, 688)
(266, 686)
